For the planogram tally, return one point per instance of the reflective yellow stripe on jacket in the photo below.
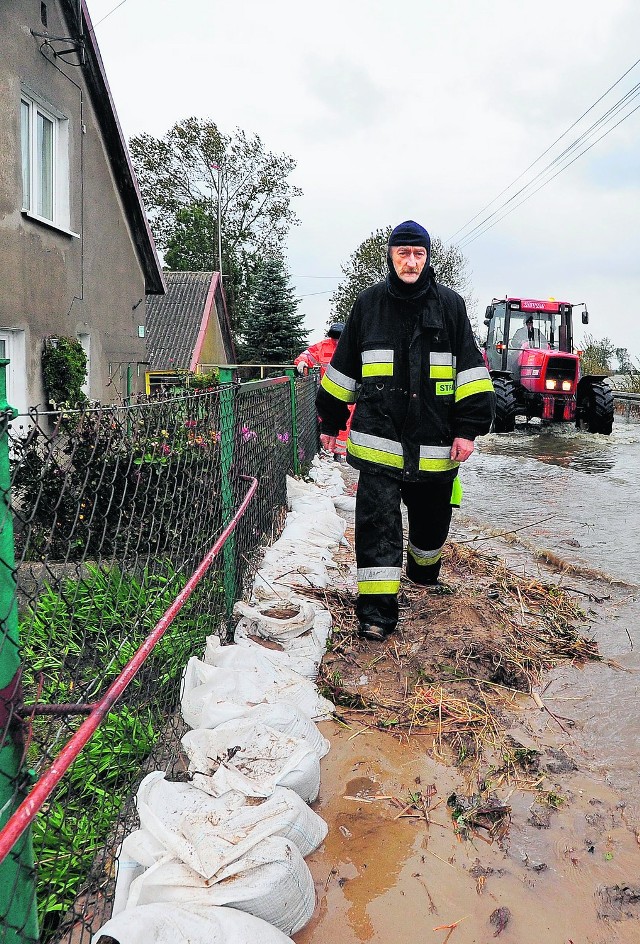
(378, 579)
(442, 365)
(436, 459)
(476, 380)
(377, 363)
(375, 449)
(339, 385)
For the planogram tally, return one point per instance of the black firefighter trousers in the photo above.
(379, 540)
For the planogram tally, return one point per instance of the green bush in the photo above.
(64, 371)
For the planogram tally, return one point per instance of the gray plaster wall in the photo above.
(53, 283)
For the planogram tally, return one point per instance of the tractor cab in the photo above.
(518, 323)
(535, 372)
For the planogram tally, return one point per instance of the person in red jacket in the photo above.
(319, 356)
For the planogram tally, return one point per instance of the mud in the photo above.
(565, 873)
(463, 829)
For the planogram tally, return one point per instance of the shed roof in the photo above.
(177, 321)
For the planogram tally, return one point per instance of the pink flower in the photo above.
(282, 437)
(165, 450)
(190, 424)
(248, 434)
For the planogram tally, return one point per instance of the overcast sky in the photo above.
(424, 110)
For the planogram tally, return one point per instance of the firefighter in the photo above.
(408, 360)
(319, 355)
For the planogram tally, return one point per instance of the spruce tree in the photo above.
(274, 333)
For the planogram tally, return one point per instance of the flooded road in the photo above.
(576, 495)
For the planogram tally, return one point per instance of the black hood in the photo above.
(414, 291)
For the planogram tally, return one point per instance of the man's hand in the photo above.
(328, 442)
(302, 368)
(461, 449)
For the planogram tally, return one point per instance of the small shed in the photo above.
(189, 325)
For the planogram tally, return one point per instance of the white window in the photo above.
(12, 346)
(44, 145)
(85, 341)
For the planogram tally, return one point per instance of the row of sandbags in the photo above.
(219, 859)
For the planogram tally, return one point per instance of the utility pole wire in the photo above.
(107, 15)
(544, 184)
(545, 152)
(601, 122)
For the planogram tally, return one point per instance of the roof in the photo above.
(177, 322)
(116, 147)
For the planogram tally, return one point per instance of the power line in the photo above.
(107, 15)
(601, 122)
(464, 243)
(544, 153)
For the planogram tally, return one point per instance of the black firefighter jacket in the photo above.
(417, 378)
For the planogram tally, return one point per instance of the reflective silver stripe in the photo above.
(376, 442)
(378, 573)
(341, 379)
(468, 376)
(434, 452)
(442, 359)
(424, 558)
(377, 357)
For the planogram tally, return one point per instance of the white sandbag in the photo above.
(345, 503)
(302, 656)
(299, 549)
(325, 528)
(290, 573)
(327, 476)
(285, 718)
(297, 487)
(312, 503)
(301, 653)
(280, 623)
(272, 881)
(209, 833)
(170, 924)
(242, 675)
(128, 868)
(249, 756)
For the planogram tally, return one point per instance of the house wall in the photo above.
(213, 351)
(53, 283)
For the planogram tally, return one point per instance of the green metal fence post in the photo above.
(291, 374)
(18, 915)
(227, 442)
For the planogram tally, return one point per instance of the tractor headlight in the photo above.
(566, 385)
(550, 384)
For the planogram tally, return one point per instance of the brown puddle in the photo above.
(561, 876)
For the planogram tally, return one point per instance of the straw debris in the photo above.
(458, 659)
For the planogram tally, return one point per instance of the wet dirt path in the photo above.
(381, 878)
(565, 873)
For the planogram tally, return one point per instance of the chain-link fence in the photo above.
(111, 511)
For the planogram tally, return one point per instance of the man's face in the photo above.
(408, 261)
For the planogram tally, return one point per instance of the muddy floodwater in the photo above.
(572, 875)
(588, 489)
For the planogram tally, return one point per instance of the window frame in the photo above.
(31, 173)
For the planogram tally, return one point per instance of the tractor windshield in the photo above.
(533, 329)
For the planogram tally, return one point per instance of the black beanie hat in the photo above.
(410, 233)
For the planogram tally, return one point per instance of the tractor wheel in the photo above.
(505, 421)
(596, 409)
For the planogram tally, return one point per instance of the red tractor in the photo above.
(529, 353)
